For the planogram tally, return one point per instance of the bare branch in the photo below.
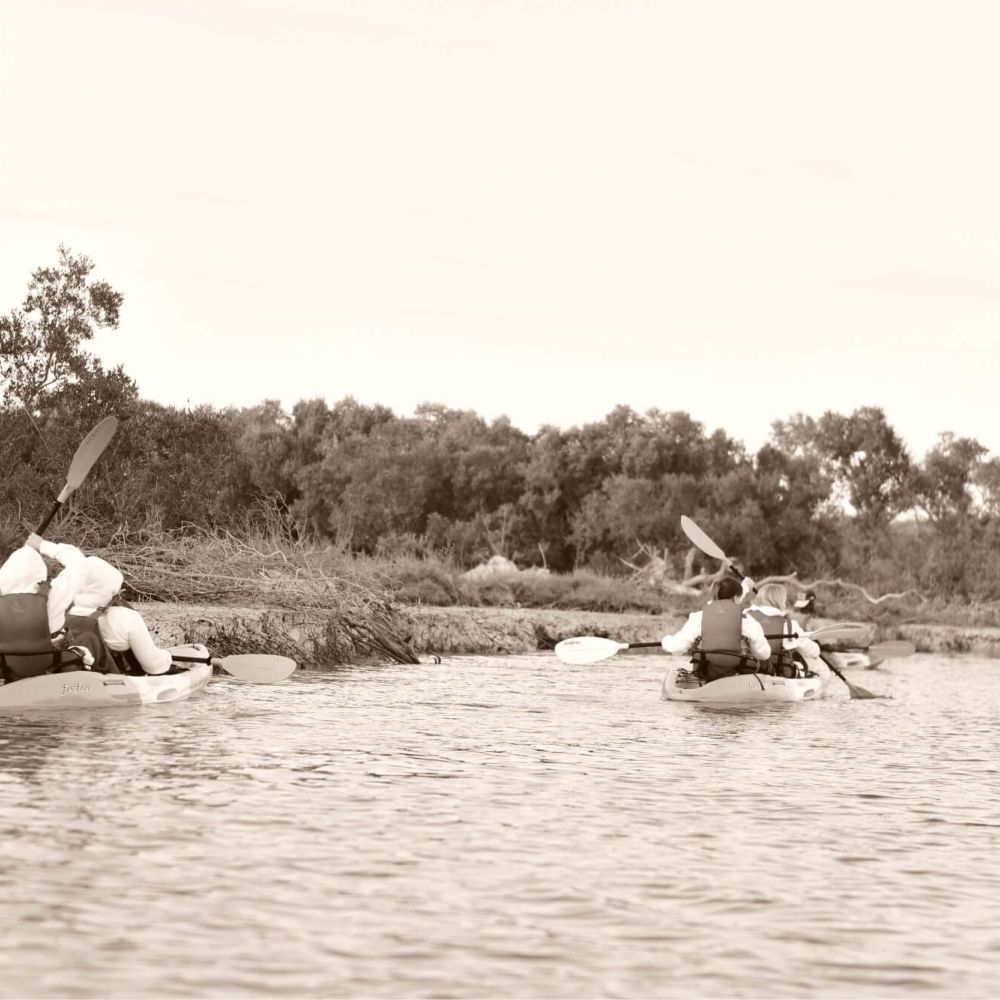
(844, 584)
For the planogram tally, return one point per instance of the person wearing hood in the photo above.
(99, 610)
(33, 611)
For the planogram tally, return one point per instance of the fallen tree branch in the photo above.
(844, 584)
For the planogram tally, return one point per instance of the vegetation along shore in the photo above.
(345, 533)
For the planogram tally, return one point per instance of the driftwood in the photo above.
(654, 573)
(845, 584)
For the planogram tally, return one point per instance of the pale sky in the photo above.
(539, 208)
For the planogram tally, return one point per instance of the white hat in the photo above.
(23, 571)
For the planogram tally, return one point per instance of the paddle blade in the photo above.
(837, 626)
(587, 649)
(858, 692)
(699, 539)
(852, 689)
(258, 668)
(89, 452)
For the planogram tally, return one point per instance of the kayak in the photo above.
(749, 689)
(855, 660)
(87, 689)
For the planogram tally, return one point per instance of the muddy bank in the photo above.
(511, 630)
(320, 637)
(323, 637)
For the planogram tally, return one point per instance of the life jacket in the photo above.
(84, 630)
(27, 647)
(721, 651)
(782, 661)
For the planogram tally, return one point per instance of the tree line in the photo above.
(836, 494)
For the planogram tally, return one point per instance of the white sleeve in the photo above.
(682, 641)
(807, 647)
(151, 658)
(64, 587)
(754, 634)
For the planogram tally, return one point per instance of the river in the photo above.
(507, 827)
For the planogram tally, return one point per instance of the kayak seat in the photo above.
(712, 664)
(792, 667)
(16, 666)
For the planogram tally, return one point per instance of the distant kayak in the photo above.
(855, 660)
(739, 689)
(87, 689)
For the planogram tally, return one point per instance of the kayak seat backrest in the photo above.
(24, 624)
(26, 647)
(721, 650)
(83, 630)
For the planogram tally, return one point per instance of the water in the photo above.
(507, 827)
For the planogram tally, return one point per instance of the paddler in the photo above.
(805, 606)
(770, 609)
(33, 611)
(99, 609)
(724, 639)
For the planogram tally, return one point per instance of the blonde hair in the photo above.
(773, 594)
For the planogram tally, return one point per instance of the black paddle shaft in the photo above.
(40, 530)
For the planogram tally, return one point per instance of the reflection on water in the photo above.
(507, 827)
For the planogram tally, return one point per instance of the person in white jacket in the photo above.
(25, 572)
(726, 594)
(33, 611)
(772, 602)
(771, 609)
(684, 640)
(121, 628)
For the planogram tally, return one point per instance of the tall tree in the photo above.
(863, 455)
(942, 485)
(43, 344)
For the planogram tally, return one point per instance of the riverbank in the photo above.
(322, 637)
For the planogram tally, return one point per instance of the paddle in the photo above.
(258, 668)
(853, 689)
(591, 648)
(83, 461)
(700, 540)
(838, 626)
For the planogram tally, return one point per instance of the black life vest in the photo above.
(27, 647)
(721, 651)
(83, 630)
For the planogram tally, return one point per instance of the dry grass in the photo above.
(266, 566)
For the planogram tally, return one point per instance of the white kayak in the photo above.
(747, 689)
(858, 660)
(87, 689)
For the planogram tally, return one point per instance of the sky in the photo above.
(532, 208)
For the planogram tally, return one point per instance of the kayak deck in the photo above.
(87, 689)
(741, 689)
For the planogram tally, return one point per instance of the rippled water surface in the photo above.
(507, 827)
